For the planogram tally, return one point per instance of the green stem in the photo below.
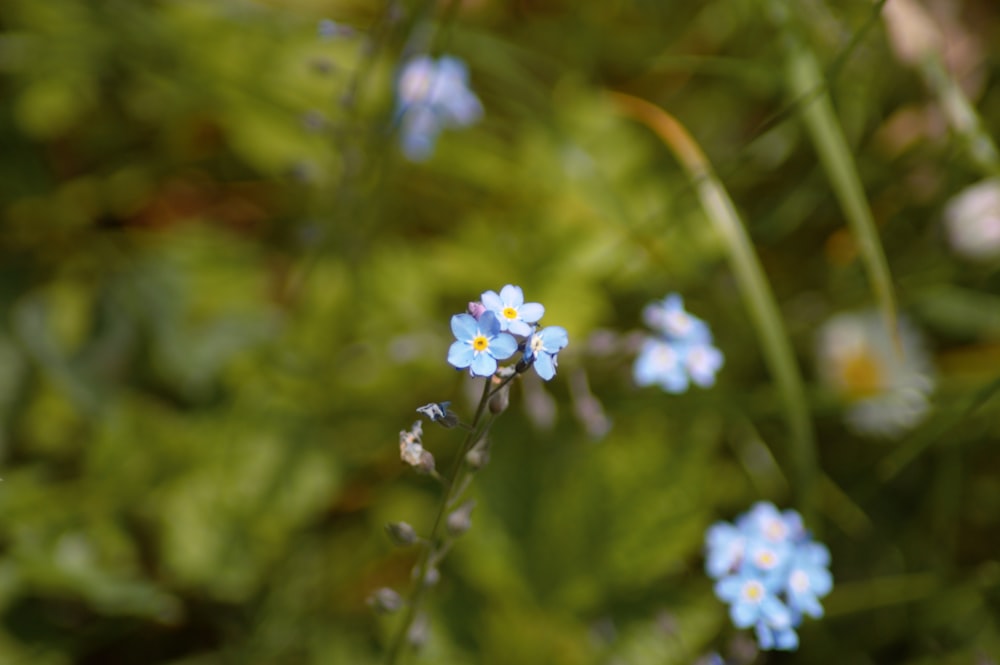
(456, 483)
(806, 82)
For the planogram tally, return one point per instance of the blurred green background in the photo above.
(224, 292)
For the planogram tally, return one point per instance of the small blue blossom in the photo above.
(680, 353)
(809, 580)
(542, 348)
(770, 572)
(726, 545)
(669, 318)
(433, 95)
(515, 315)
(661, 363)
(479, 344)
(751, 601)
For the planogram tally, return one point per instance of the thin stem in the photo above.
(431, 555)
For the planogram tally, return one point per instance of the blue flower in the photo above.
(751, 601)
(542, 348)
(809, 580)
(726, 546)
(480, 344)
(770, 572)
(680, 353)
(662, 363)
(433, 95)
(514, 314)
(670, 318)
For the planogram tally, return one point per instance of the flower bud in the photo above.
(501, 400)
(385, 601)
(460, 520)
(401, 533)
(479, 456)
(419, 631)
(476, 309)
(431, 578)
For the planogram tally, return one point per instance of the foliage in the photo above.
(225, 290)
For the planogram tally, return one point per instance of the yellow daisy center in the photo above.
(862, 375)
(480, 343)
(509, 313)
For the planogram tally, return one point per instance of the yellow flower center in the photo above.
(862, 375)
(480, 343)
(753, 591)
(509, 313)
(766, 559)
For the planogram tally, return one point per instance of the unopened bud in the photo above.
(460, 520)
(479, 456)
(385, 601)
(500, 401)
(401, 533)
(431, 577)
(419, 631)
(476, 309)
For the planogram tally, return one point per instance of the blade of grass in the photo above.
(804, 79)
(754, 287)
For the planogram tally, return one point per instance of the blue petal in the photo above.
(489, 324)
(554, 339)
(820, 581)
(483, 364)
(512, 295)
(464, 327)
(519, 328)
(728, 588)
(743, 614)
(453, 67)
(491, 301)
(545, 366)
(531, 312)
(786, 640)
(460, 354)
(502, 346)
(775, 612)
(765, 636)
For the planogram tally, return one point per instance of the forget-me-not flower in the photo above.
(769, 571)
(542, 348)
(680, 353)
(433, 95)
(515, 315)
(479, 343)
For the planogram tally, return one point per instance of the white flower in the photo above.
(885, 381)
(972, 221)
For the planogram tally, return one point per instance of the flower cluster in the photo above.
(770, 571)
(885, 379)
(680, 353)
(432, 95)
(498, 326)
